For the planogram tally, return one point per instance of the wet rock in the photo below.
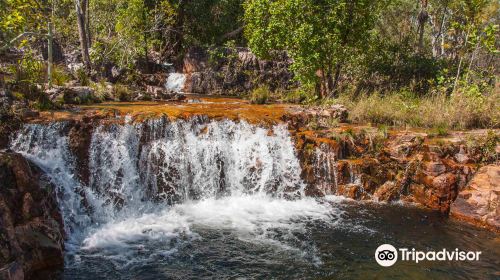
(237, 72)
(434, 168)
(404, 168)
(404, 145)
(12, 271)
(161, 93)
(354, 191)
(479, 202)
(26, 113)
(31, 232)
(389, 191)
(80, 137)
(444, 182)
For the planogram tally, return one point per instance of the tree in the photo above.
(81, 14)
(320, 36)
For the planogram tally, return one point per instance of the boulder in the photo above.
(479, 201)
(237, 72)
(389, 191)
(71, 94)
(31, 227)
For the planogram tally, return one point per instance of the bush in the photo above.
(102, 92)
(260, 95)
(82, 77)
(300, 95)
(29, 69)
(60, 76)
(122, 92)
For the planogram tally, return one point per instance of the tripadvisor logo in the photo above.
(387, 255)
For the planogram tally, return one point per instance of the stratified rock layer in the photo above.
(31, 228)
(403, 166)
(479, 202)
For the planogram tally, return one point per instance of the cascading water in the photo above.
(154, 181)
(222, 199)
(326, 169)
(175, 82)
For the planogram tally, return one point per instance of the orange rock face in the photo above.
(479, 202)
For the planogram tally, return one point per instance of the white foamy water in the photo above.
(160, 182)
(250, 216)
(175, 82)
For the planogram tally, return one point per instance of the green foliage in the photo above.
(18, 16)
(28, 69)
(460, 111)
(43, 104)
(300, 95)
(260, 95)
(60, 76)
(82, 77)
(102, 92)
(318, 35)
(485, 146)
(439, 130)
(122, 92)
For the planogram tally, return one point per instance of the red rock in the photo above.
(479, 202)
(434, 168)
(444, 182)
(389, 191)
(31, 228)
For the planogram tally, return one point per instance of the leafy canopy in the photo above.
(318, 35)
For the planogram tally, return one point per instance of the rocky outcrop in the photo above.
(479, 202)
(319, 117)
(237, 71)
(71, 95)
(402, 166)
(31, 228)
(9, 120)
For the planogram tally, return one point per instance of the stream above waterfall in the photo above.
(203, 198)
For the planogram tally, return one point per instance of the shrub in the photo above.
(485, 146)
(82, 77)
(101, 90)
(260, 95)
(29, 69)
(122, 92)
(300, 95)
(60, 76)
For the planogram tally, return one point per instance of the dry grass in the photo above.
(460, 111)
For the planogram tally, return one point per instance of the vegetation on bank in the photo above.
(459, 111)
(425, 63)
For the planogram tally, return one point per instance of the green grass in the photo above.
(438, 112)
(260, 95)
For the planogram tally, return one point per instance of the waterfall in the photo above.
(47, 146)
(175, 82)
(326, 169)
(156, 179)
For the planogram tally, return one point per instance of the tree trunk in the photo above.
(174, 37)
(82, 32)
(423, 16)
(145, 36)
(336, 79)
(460, 63)
(87, 23)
